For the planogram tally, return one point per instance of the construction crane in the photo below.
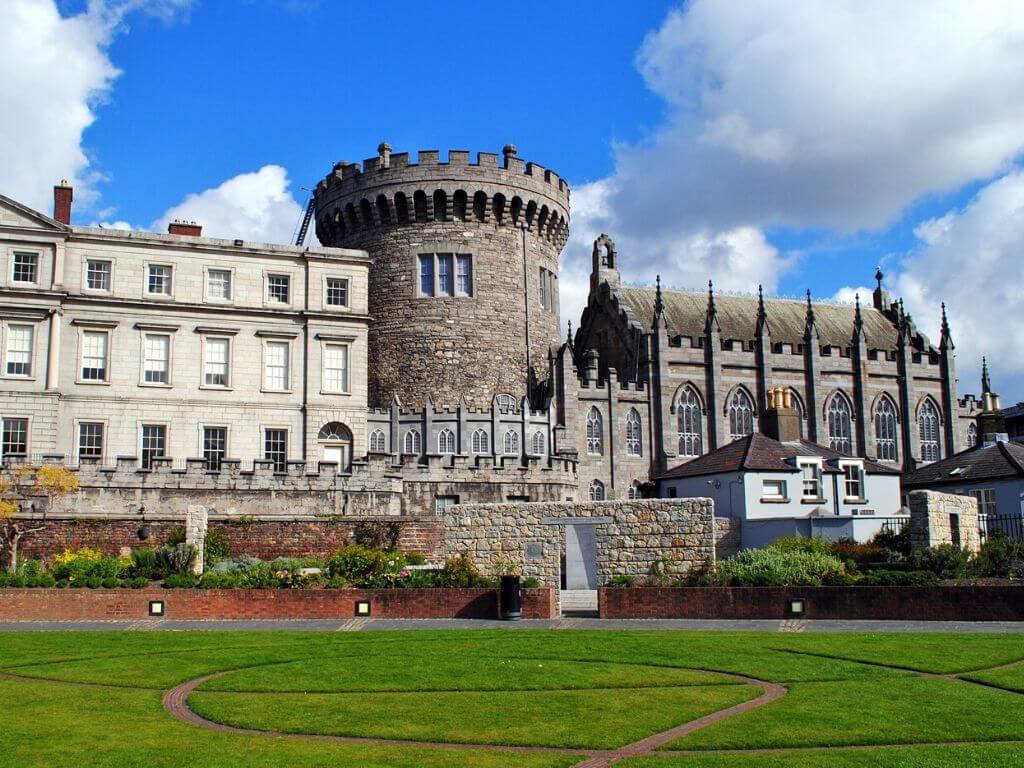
(308, 217)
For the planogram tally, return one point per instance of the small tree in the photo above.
(51, 482)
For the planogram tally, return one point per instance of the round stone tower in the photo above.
(463, 288)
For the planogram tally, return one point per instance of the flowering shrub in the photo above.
(772, 567)
(87, 566)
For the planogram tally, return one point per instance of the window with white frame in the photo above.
(810, 475)
(19, 350)
(24, 267)
(445, 274)
(154, 443)
(511, 443)
(275, 365)
(634, 437)
(463, 275)
(886, 435)
(928, 429)
(480, 443)
(215, 447)
(158, 282)
(634, 491)
(506, 403)
(445, 278)
(538, 443)
(741, 415)
(275, 448)
(97, 274)
(156, 358)
(218, 284)
(853, 481)
(335, 362)
(446, 441)
(413, 444)
(378, 441)
(14, 437)
(548, 291)
(279, 289)
(986, 500)
(773, 490)
(688, 416)
(90, 440)
(597, 491)
(426, 274)
(94, 354)
(595, 432)
(840, 426)
(337, 291)
(216, 362)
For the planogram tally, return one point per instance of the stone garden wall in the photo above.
(943, 518)
(637, 537)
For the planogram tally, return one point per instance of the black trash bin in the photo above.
(511, 599)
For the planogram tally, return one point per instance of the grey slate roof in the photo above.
(982, 462)
(686, 314)
(760, 453)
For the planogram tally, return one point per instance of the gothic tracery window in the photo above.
(446, 441)
(634, 442)
(378, 442)
(413, 442)
(597, 491)
(511, 443)
(840, 424)
(480, 442)
(928, 429)
(886, 446)
(538, 443)
(741, 415)
(691, 442)
(595, 433)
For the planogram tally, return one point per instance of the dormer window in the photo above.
(810, 472)
(853, 480)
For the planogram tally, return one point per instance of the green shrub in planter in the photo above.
(360, 565)
(180, 581)
(621, 580)
(774, 567)
(175, 536)
(801, 544)
(137, 582)
(895, 541)
(945, 561)
(530, 582)
(415, 558)
(94, 582)
(176, 558)
(30, 569)
(215, 547)
(883, 577)
(460, 571)
(47, 580)
(15, 580)
(110, 583)
(1001, 557)
(143, 563)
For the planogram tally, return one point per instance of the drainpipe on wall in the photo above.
(526, 303)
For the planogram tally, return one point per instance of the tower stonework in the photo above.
(456, 311)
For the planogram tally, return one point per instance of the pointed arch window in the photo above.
(597, 491)
(480, 442)
(595, 433)
(511, 443)
(741, 415)
(928, 429)
(413, 442)
(840, 424)
(378, 442)
(972, 435)
(446, 441)
(634, 440)
(691, 441)
(634, 490)
(886, 436)
(538, 443)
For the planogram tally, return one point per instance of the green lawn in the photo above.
(95, 697)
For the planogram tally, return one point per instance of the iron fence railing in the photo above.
(1010, 525)
(893, 525)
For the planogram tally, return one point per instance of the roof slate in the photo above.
(982, 462)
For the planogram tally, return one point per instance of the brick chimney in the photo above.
(186, 228)
(991, 422)
(63, 193)
(781, 420)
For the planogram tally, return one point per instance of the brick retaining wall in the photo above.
(939, 603)
(263, 539)
(241, 604)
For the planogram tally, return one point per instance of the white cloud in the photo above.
(252, 206)
(971, 259)
(56, 72)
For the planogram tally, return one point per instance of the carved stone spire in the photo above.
(711, 322)
(986, 384)
(858, 320)
(946, 340)
(762, 313)
(568, 336)
(659, 304)
(809, 326)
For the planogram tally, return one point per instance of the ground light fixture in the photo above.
(156, 607)
(796, 607)
(362, 607)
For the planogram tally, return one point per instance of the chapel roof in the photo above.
(993, 461)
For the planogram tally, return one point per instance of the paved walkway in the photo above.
(681, 625)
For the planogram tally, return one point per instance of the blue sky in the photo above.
(795, 144)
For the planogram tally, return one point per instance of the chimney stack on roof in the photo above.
(185, 228)
(781, 419)
(63, 194)
(991, 423)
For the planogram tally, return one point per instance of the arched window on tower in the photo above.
(446, 441)
(498, 208)
(480, 205)
(480, 442)
(413, 442)
(440, 205)
(538, 444)
(634, 439)
(595, 433)
(840, 426)
(511, 443)
(459, 205)
(401, 208)
(688, 416)
(383, 209)
(378, 441)
(741, 415)
(886, 434)
(928, 429)
(972, 435)
(597, 491)
(419, 204)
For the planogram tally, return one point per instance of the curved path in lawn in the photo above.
(176, 704)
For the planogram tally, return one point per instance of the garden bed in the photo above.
(931, 603)
(46, 604)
